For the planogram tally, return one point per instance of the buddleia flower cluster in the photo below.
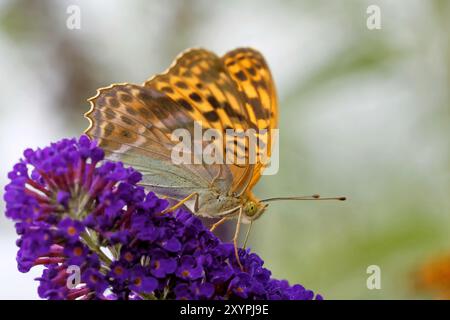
(99, 235)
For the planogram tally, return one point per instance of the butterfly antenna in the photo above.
(313, 197)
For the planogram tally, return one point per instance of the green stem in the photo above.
(94, 247)
(148, 296)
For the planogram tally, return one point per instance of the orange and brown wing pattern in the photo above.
(198, 81)
(249, 70)
(251, 74)
(130, 115)
(234, 92)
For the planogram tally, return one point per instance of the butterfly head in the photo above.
(253, 209)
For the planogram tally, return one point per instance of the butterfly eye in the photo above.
(250, 208)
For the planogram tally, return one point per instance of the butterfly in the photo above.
(134, 124)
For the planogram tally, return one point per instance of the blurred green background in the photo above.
(363, 113)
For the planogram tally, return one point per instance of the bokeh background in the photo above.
(363, 113)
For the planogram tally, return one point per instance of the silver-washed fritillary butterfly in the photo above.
(134, 124)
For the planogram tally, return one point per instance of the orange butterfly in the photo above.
(135, 124)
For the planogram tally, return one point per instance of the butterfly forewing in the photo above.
(248, 68)
(198, 81)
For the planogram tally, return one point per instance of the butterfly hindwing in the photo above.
(133, 124)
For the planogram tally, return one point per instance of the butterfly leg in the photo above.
(181, 202)
(218, 223)
(235, 239)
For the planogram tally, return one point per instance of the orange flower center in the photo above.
(128, 256)
(185, 273)
(78, 251)
(118, 270)
(71, 231)
(138, 281)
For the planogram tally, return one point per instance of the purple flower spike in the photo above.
(77, 213)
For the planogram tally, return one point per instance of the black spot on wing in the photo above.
(181, 84)
(109, 128)
(185, 104)
(110, 114)
(213, 102)
(113, 102)
(211, 116)
(241, 75)
(167, 89)
(127, 120)
(130, 111)
(125, 97)
(251, 71)
(231, 112)
(257, 108)
(194, 96)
